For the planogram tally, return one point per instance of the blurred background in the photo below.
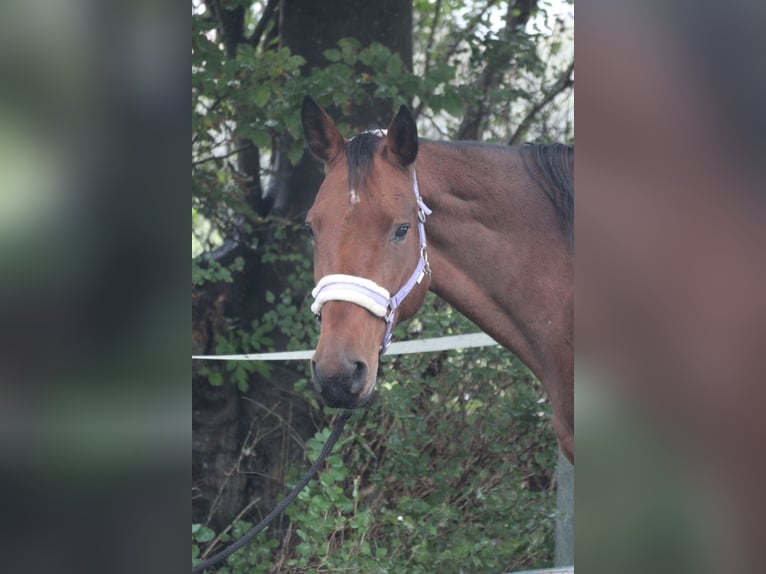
(94, 402)
(669, 280)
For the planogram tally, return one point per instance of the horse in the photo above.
(487, 227)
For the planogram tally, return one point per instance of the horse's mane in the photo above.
(552, 168)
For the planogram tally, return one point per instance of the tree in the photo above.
(467, 69)
(305, 31)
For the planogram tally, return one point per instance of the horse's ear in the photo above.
(322, 137)
(402, 137)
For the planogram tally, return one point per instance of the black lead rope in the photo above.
(216, 559)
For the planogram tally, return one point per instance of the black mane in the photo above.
(552, 167)
(360, 151)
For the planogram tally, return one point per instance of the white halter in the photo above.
(367, 293)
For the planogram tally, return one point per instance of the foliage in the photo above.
(286, 325)
(255, 97)
(212, 270)
(253, 559)
(449, 471)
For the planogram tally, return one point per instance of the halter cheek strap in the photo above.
(367, 293)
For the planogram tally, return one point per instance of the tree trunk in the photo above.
(309, 28)
(241, 444)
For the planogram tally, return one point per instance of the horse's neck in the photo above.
(496, 250)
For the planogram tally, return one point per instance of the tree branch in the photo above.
(430, 41)
(232, 25)
(564, 82)
(245, 146)
(266, 18)
(468, 29)
(476, 111)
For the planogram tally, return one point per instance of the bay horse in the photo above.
(499, 227)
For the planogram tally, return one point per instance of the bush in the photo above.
(451, 470)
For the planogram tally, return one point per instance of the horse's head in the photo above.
(369, 249)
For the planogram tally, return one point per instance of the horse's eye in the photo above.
(401, 231)
(310, 230)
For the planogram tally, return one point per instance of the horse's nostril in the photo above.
(341, 383)
(359, 377)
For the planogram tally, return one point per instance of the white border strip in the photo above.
(399, 348)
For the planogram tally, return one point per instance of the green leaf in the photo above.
(333, 55)
(296, 152)
(260, 96)
(261, 138)
(394, 66)
(296, 61)
(452, 104)
(349, 43)
(215, 379)
(204, 534)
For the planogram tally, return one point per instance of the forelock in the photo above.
(360, 153)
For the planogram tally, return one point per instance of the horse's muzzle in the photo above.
(343, 385)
